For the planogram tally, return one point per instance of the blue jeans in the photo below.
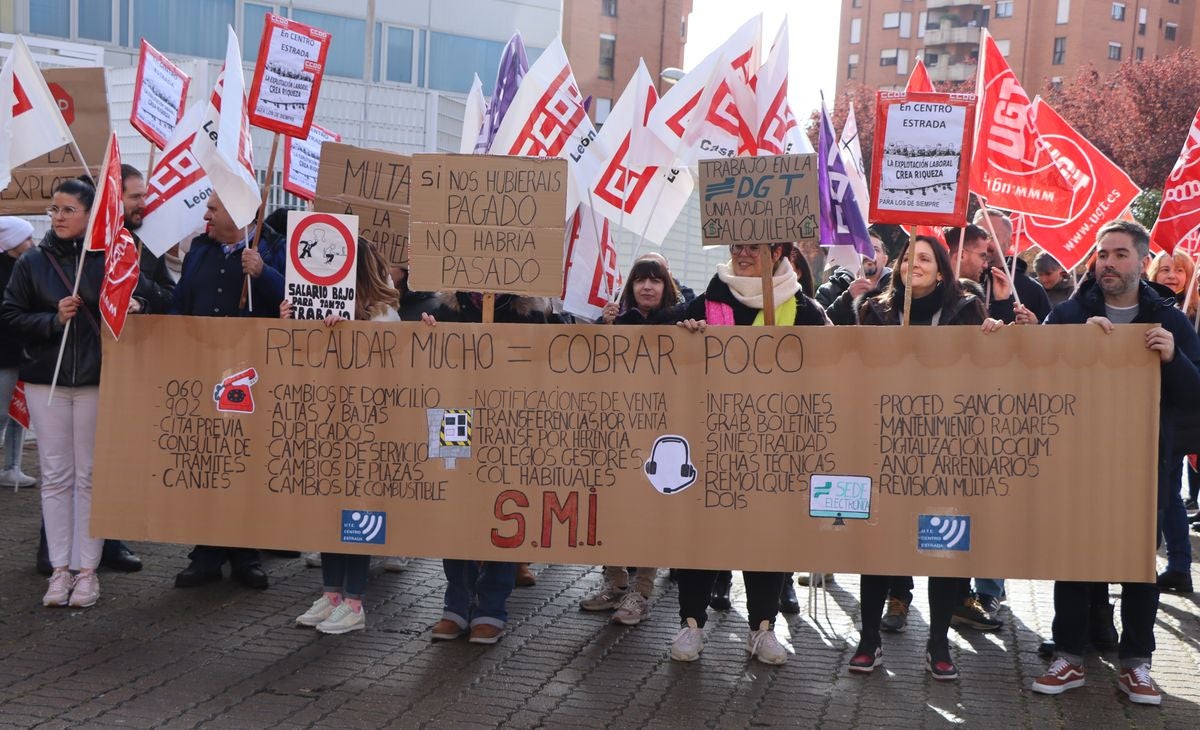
(993, 587)
(1175, 525)
(477, 593)
(14, 435)
(345, 574)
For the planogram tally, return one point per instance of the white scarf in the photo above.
(748, 289)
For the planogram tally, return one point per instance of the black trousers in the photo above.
(1073, 613)
(211, 557)
(762, 595)
(944, 596)
(901, 586)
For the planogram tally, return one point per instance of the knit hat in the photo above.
(13, 232)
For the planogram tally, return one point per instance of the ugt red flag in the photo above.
(1180, 210)
(1010, 166)
(919, 80)
(108, 211)
(1102, 191)
(121, 271)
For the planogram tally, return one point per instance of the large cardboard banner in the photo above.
(488, 223)
(767, 199)
(373, 185)
(159, 95)
(898, 451)
(82, 95)
(287, 77)
(920, 160)
(322, 264)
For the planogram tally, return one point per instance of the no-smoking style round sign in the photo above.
(322, 249)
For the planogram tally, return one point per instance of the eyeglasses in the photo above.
(736, 248)
(68, 211)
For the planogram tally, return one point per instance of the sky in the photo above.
(813, 31)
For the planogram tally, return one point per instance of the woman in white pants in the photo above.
(38, 307)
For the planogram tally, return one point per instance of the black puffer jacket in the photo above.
(966, 310)
(10, 344)
(30, 312)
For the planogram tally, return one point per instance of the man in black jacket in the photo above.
(211, 285)
(1116, 294)
(154, 268)
(1032, 295)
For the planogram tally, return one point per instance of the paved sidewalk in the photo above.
(149, 655)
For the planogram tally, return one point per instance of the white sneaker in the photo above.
(764, 646)
(688, 643)
(605, 599)
(85, 590)
(395, 564)
(59, 590)
(632, 609)
(312, 560)
(319, 611)
(343, 620)
(14, 477)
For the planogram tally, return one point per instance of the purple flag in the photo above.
(513, 67)
(842, 221)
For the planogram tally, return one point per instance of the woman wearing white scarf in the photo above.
(735, 297)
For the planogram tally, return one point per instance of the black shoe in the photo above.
(117, 556)
(1103, 633)
(1046, 649)
(196, 575)
(43, 556)
(1175, 581)
(990, 604)
(251, 576)
(1191, 505)
(896, 618)
(787, 597)
(283, 553)
(972, 615)
(719, 599)
(939, 663)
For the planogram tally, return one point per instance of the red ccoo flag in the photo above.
(108, 212)
(121, 272)
(918, 80)
(1180, 211)
(1011, 167)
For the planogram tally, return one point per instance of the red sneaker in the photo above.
(1060, 677)
(1137, 684)
(865, 659)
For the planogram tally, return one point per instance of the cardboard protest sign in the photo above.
(373, 185)
(322, 263)
(287, 77)
(920, 160)
(301, 161)
(883, 450)
(82, 95)
(159, 95)
(488, 223)
(768, 199)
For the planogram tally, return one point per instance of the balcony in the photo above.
(944, 72)
(931, 4)
(948, 35)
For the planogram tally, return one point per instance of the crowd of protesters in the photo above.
(964, 280)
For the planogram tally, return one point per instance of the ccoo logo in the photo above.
(944, 532)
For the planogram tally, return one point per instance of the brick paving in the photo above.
(149, 655)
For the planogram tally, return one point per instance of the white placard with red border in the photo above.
(287, 78)
(322, 264)
(302, 159)
(159, 94)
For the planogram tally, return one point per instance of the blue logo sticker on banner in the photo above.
(944, 532)
(364, 527)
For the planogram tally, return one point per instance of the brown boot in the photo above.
(525, 576)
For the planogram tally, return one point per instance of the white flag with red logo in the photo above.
(177, 190)
(679, 109)
(593, 276)
(121, 271)
(643, 199)
(32, 124)
(1179, 213)
(18, 407)
(473, 115)
(778, 131)
(547, 119)
(1010, 165)
(222, 144)
(108, 210)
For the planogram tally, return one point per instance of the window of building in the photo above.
(856, 3)
(922, 19)
(931, 59)
(887, 57)
(1004, 47)
(96, 20)
(603, 108)
(346, 49)
(50, 17)
(398, 64)
(1141, 21)
(891, 20)
(851, 65)
(855, 30)
(1118, 11)
(1114, 51)
(454, 58)
(1060, 51)
(1004, 9)
(1064, 12)
(194, 28)
(53, 17)
(902, 61)
(1139, 53)
(1173, 2)
(1169, 31)
(608, 54)
(609, 8)
(254, 16)
(906, 25)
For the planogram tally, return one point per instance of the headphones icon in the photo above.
(667, 483)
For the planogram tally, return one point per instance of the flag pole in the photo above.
(987, 219)
(912, 255)
(767, 269)
(262, 212)
(62, 346)
(489, 308)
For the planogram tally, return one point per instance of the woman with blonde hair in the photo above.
(1176, 272)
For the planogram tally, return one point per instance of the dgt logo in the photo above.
(944, 532)
(360, 526)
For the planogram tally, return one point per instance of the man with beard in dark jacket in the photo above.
(214, 274)
(1116, 294)
(133, 196)
(837, 295)
(1031, 293)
